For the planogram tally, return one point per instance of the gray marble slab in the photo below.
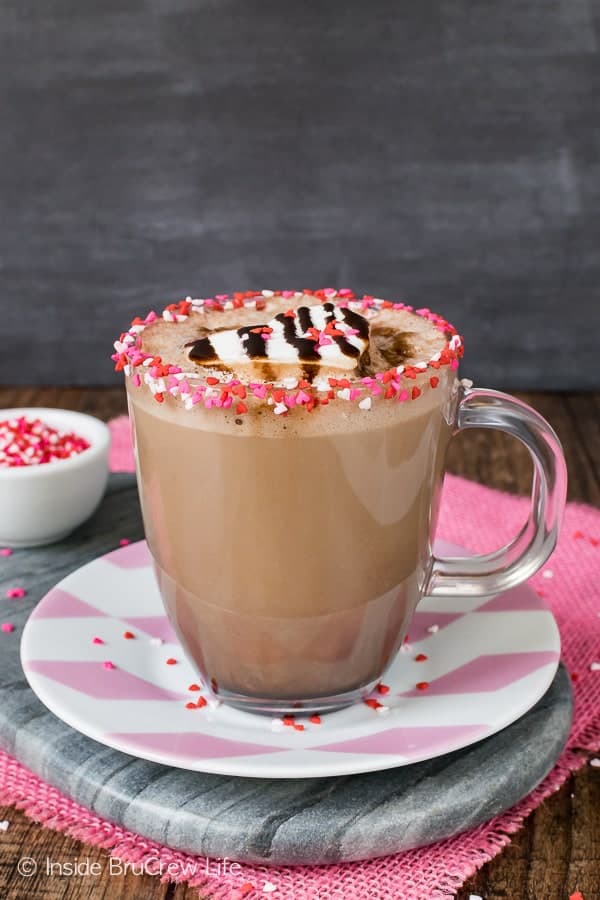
(260, 820)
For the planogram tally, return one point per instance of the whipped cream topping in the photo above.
(326, 334)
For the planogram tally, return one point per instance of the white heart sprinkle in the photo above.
(595, 667)
(156, 641)
(269, 887)
(595, 762)
(366, 403)
(548, 573)
(433, 629)
(475, 897)
(4, 825)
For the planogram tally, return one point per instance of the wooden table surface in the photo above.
(556, 853)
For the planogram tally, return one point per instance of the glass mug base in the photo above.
(304, 707)
(284, 664)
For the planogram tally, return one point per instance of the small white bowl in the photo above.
(42, 504)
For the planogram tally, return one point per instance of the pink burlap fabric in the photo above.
(475, 517)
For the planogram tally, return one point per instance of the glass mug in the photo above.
(290, 562)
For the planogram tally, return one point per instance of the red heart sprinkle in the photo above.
(374, 704)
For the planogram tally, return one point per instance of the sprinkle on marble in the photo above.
(129, 635)
(194, 687)
(433, 629)
(405, 648)
(5, 551)
(156, 641)
(382, 688)
(97, 640)
(315, 720)
(422, 685)
(15, 593)
(108, 665)
(170, 661)
(7, 627)
(421, 657)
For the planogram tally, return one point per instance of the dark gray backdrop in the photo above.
(442, 152)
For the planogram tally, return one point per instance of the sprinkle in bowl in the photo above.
(42, 503)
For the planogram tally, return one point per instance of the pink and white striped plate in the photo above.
(488, 661)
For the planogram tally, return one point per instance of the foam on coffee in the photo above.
(249, 345)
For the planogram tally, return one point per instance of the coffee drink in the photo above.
(290, 450)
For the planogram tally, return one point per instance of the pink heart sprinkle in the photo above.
(5, 551)
(109, 665)
(15, 593)
(7, 627)
(97, 640)
(123, 542)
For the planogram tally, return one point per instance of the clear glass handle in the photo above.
(491, 573)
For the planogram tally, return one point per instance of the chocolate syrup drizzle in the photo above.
(202, 351)
(254, 343)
